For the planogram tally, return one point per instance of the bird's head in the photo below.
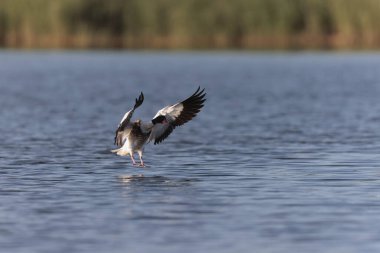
(159, 119)
(138, 122)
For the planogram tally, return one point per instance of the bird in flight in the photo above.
(131, 136)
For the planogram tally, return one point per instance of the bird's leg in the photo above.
(133, 160)
(141, 160)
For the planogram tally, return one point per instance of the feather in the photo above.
(177, 115)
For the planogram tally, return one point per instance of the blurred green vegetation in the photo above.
(253, 24)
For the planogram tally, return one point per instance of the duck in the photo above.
(132, 136)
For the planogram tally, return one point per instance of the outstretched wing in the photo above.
(176, 115)
(125, 122)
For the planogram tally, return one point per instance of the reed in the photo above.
(250, 24)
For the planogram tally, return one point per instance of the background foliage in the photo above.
(254, 24)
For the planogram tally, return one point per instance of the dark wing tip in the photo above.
(139, 101)
(197, 95)
(191, 106)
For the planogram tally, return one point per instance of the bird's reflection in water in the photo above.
(142, 180)
(130, 178)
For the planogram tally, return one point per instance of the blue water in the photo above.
(284, 157)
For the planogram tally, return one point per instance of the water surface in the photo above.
(284, 156)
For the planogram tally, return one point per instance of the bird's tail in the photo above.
(120, 151)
